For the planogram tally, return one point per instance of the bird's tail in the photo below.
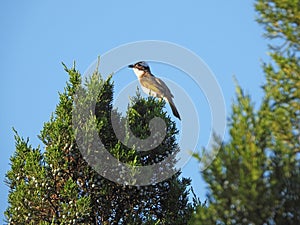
(174, 109)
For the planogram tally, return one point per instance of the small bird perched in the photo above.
(152, 85)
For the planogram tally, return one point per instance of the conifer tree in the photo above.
(281, 20)
(57, 185)
(256, 176)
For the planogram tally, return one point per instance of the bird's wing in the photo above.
(156, 85)
(168, 92)
(161, 90)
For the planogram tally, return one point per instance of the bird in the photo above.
(153, 86)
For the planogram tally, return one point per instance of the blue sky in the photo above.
(36, 36)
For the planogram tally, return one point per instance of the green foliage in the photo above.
(236, 178)
(57, 186)
(281, 19)
(256, 176)
(26, 189)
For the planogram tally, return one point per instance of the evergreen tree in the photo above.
(58, 186)
(281, 20)
(256, 176)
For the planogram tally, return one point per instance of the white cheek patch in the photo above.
(138, 73)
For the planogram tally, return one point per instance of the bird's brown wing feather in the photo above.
(156, 85)
(161, 89)
(167, 90)
(174, 109)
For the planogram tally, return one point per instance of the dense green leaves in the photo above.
(58, 186)
(281, 20)
(256, 176)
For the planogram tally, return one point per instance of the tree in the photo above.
(58, 186)
(281, 20)
(256, 176)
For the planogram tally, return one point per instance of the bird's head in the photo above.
(140, 68)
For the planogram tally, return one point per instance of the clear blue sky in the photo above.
(36, 36)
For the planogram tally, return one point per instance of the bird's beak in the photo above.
(131, 66)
